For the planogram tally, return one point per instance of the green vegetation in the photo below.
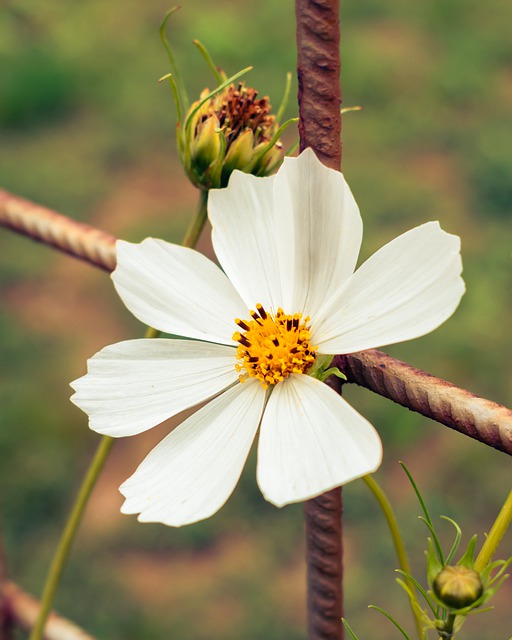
(86, 129)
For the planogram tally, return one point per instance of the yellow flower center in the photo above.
(271, 347)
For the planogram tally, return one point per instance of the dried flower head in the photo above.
(228, 130)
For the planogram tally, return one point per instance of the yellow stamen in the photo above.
(271, 347)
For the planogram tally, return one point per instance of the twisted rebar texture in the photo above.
(23, 609)
(482, 419)
(318, 73)
(51, 228)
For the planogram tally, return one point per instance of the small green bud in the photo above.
(458, 586)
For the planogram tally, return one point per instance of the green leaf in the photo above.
(349, 629)
(427, 520)
(456, 542)
(390, 618)
(180, 85)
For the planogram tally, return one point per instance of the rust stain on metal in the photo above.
(457, 408)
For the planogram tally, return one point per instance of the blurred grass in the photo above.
(86, 129)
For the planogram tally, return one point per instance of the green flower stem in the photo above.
(197, 225)
(93, 472)
(403, 561)
(446, 633)
(496, 533)
(62, 553)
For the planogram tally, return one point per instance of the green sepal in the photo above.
(349, 629)
(427, 519)
(434, 566)
(456, 542)
(175, 94)
(390, 618)
(257, 156)
(284, 101)
(467, 559)
(322, 369)
(332, 371)
(180, 85)
(218, 74)
(420, 589)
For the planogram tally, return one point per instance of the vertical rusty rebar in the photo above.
(318, 72)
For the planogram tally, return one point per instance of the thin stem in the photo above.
(401, 553)
(66, 541)
(447, 630)
(496, 533)
(62, 553)
(197, 225)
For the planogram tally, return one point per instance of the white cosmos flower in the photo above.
(288, 247)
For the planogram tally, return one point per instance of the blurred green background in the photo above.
(86, 129)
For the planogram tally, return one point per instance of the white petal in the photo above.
(406, 289)
(134, 385)
(319, 229)
(177, 290)
(311, 440)
(244, 238)
(193, 471)
(290, 240)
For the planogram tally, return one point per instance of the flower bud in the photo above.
(226, 129)
(231, 129)
(458, 586)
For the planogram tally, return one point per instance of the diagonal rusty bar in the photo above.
(44, 225)
(457, 408)
(318, 73)
(23, 609)
(482, 419)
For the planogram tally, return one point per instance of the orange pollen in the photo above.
(271, 347)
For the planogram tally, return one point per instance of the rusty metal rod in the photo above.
(23, 609)
(318, 73)
(457, 408)
(60, 232)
